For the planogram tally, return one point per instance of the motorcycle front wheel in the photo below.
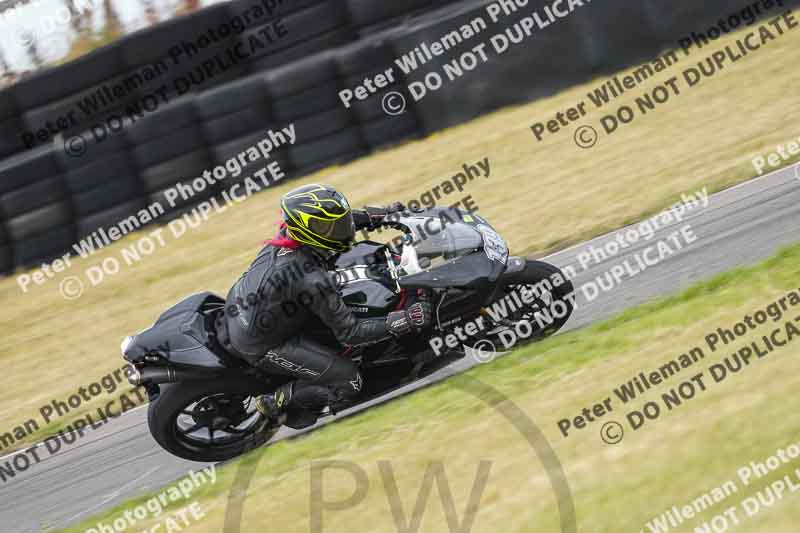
(540, 295)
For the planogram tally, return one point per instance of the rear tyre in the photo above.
(209, 421)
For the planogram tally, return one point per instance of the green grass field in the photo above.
(669, 461)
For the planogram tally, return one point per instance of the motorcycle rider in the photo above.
(290, 284)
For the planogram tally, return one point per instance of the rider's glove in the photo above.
(415, 318)
(395, 207)
(378, 215)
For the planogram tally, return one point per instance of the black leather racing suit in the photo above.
(270, 306)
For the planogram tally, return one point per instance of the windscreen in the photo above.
(432, 239)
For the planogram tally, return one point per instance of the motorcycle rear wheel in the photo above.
(209, 420)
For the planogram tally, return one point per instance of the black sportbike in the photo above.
(202, 399)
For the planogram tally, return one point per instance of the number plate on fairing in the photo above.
(346, 276)
(493, 244)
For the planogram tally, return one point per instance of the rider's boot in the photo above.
(273, 406)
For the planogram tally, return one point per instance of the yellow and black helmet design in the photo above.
(319, 216)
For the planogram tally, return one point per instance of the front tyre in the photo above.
(547, 298)
(213, 420)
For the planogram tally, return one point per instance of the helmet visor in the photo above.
(341, 230)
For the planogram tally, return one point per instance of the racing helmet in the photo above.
(319, 216)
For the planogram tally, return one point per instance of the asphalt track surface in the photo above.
(740, 226)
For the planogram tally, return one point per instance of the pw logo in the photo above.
(434, 474)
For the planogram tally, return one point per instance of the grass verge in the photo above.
(669, 461)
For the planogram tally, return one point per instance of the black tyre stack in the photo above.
(309, 27)
(36, 206)
(234, 118)
(306, 93)
(169, 148)
(11, 125)
(104, 188)
(379, 127)
(309, 50)
(370, 17)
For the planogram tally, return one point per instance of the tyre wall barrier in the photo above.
(49, 199)
(595, 40)
(299, 58)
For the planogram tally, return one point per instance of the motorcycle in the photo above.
(202, 398)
